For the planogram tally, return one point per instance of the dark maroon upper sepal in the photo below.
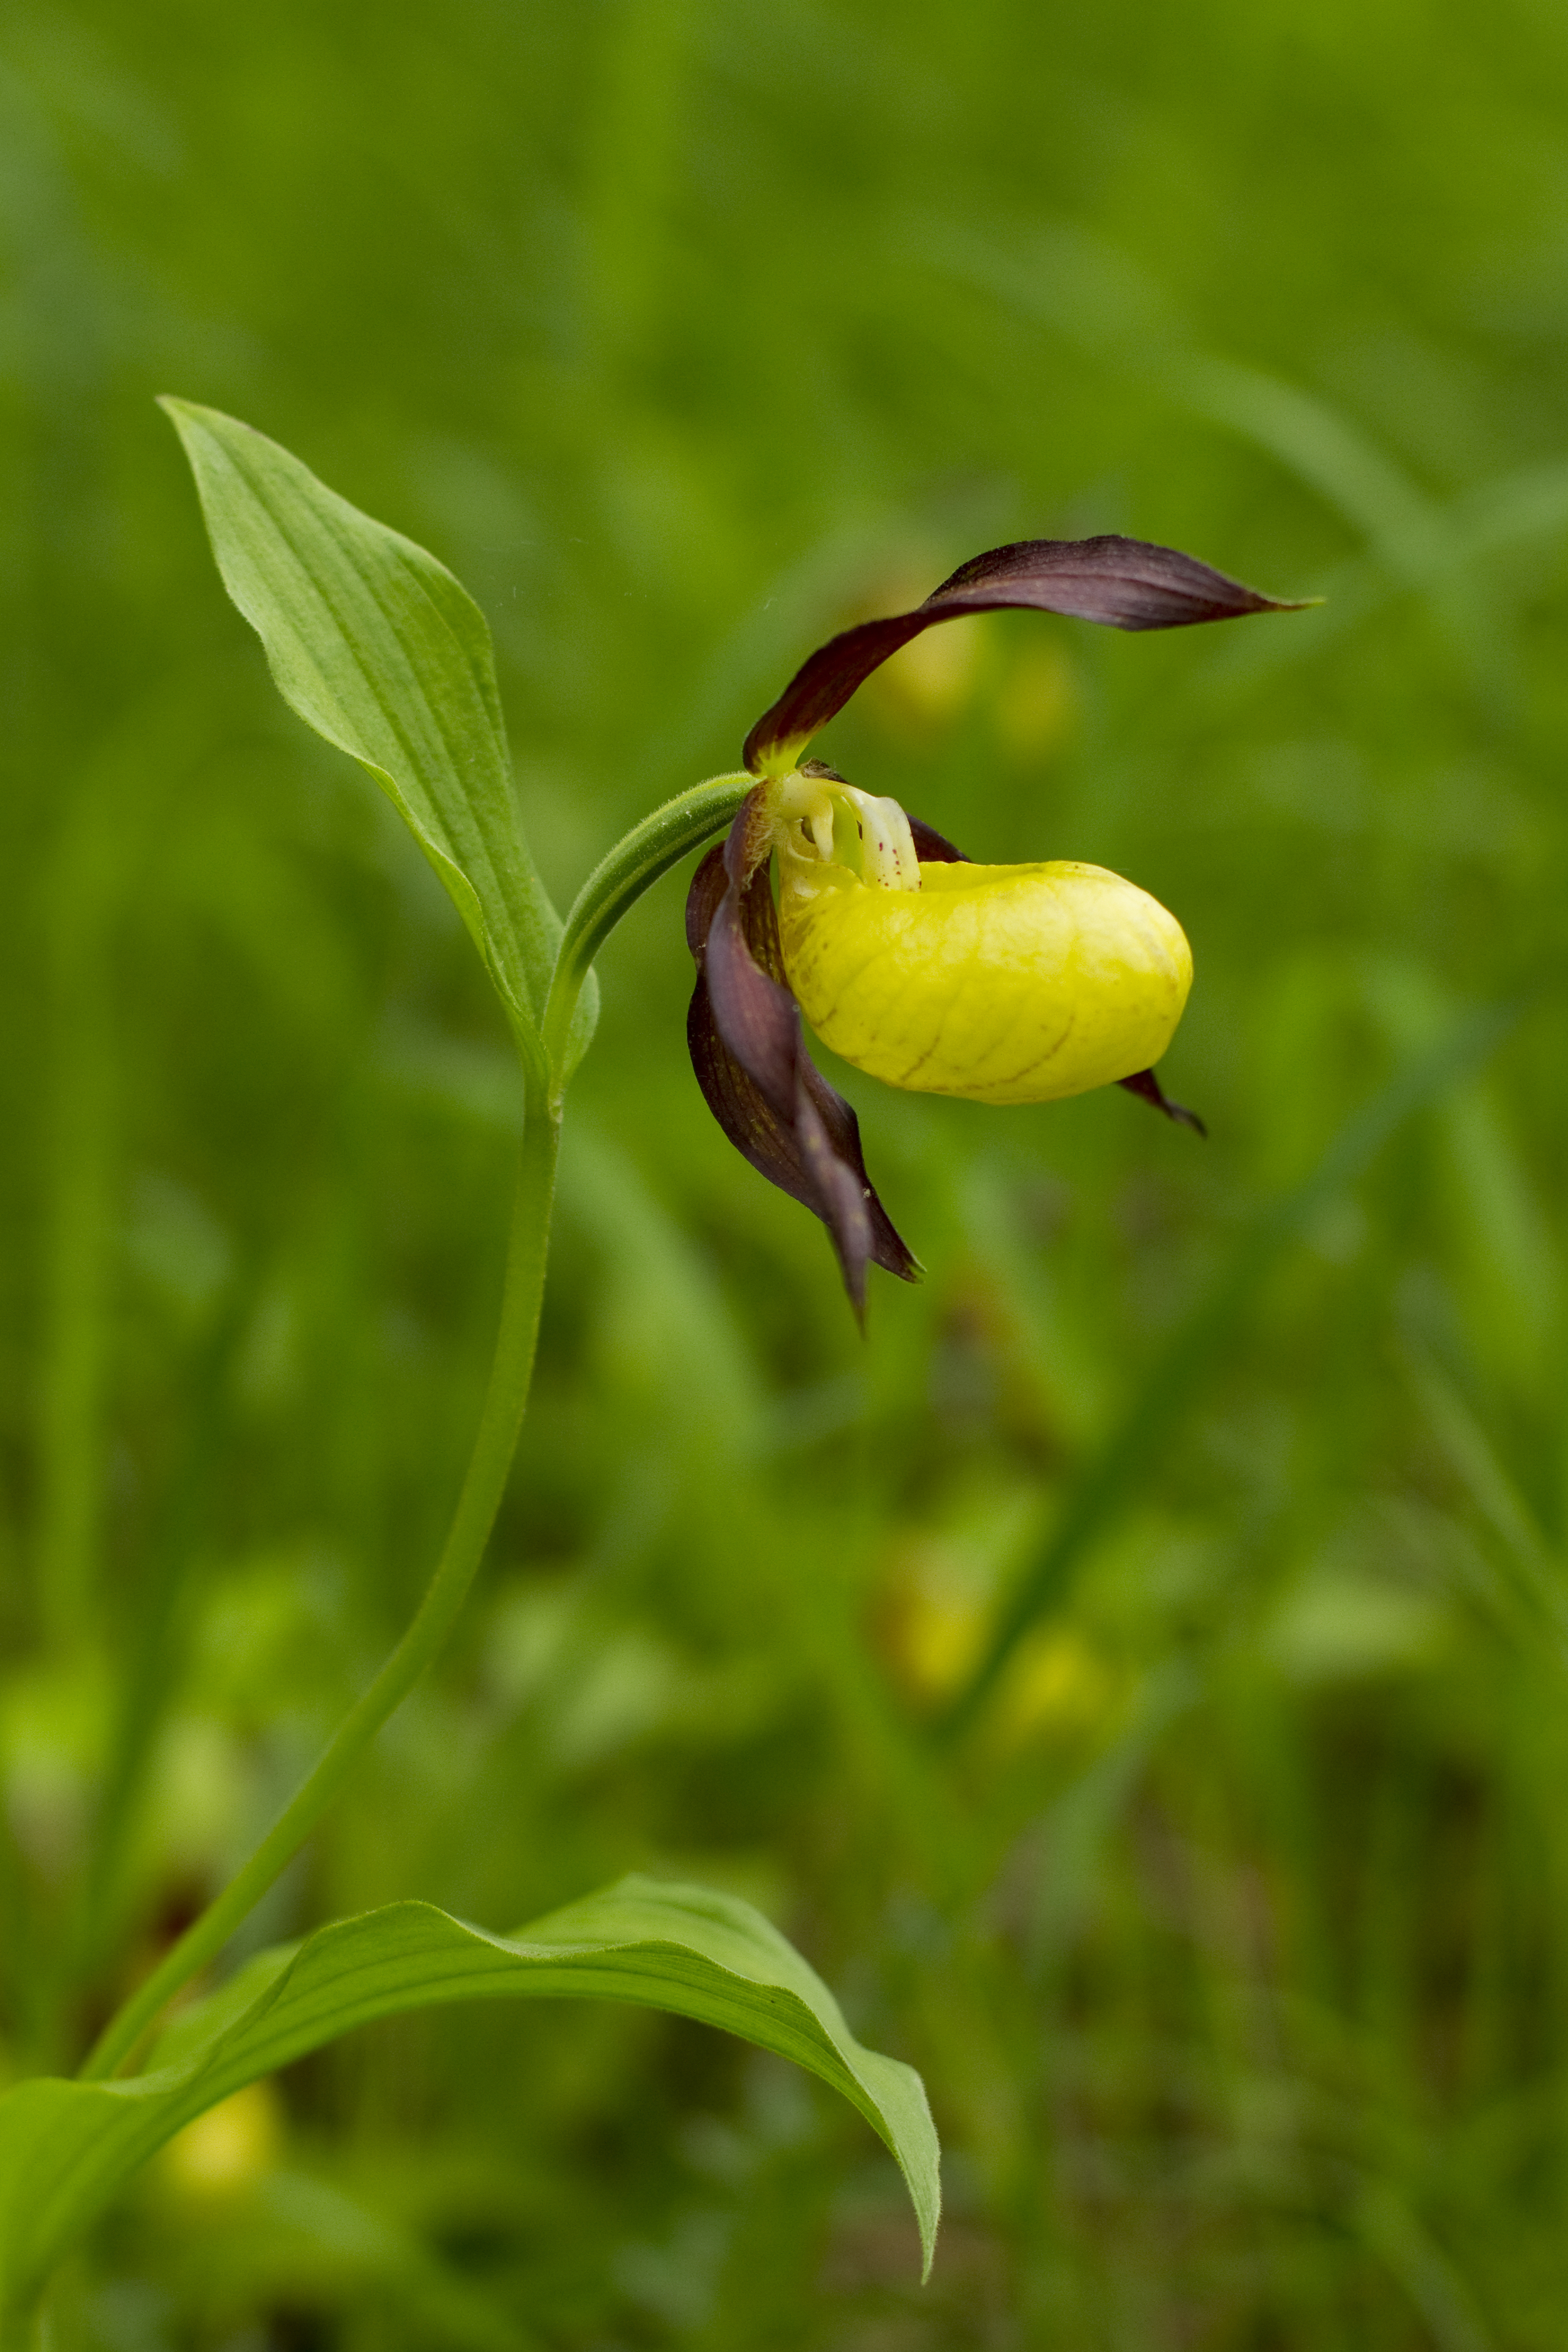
(1123, 583)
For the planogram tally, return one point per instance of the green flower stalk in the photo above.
(996, 983)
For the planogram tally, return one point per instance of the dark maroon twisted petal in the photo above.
(744, 1029)
(1123, 583)
(1147, 1087)
(931, 849)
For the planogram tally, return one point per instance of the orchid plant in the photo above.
(1002, 984)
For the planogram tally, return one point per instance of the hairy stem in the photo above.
(618, 881)
(477, 1505)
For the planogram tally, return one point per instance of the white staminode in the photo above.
(887, 846)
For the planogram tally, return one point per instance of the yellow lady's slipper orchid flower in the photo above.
(998, 983)
(1001, 983)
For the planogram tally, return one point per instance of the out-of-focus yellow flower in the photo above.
(223, 2151)
(1057, 1686)
(1035, 704)
(929, 682)
(998, 983)
(933, 1630)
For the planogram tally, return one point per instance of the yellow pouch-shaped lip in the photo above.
(1001, 983)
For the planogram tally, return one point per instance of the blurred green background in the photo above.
(1227, 1911)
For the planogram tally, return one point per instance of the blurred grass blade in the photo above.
(1169, 1387)
(379, 649)
(65, 2147)
(1536, 1570)
(1385, 2222)
(1323, 449)
(356, 2251)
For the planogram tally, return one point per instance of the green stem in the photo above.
(482, 1489)
(659, 842)
(616, 883)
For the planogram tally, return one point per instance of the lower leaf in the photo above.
(67, 2147)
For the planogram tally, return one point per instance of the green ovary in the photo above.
(1002, 983)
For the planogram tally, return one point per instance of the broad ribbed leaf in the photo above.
(382, 651)
(65, 2147)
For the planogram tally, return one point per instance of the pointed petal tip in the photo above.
(1147, 1087)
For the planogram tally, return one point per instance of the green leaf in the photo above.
(378, 647)
(65, 2147)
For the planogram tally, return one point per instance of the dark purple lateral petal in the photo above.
(1147, 1087)
(708, 885)
(757, 1017)
(886, 1245)
(741, 1108)
(931, 849)
(743, 1030)
(1122, 583)
(776, 1149)
(750, 840)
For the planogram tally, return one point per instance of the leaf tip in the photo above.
(927, 2220)
(187, 418)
